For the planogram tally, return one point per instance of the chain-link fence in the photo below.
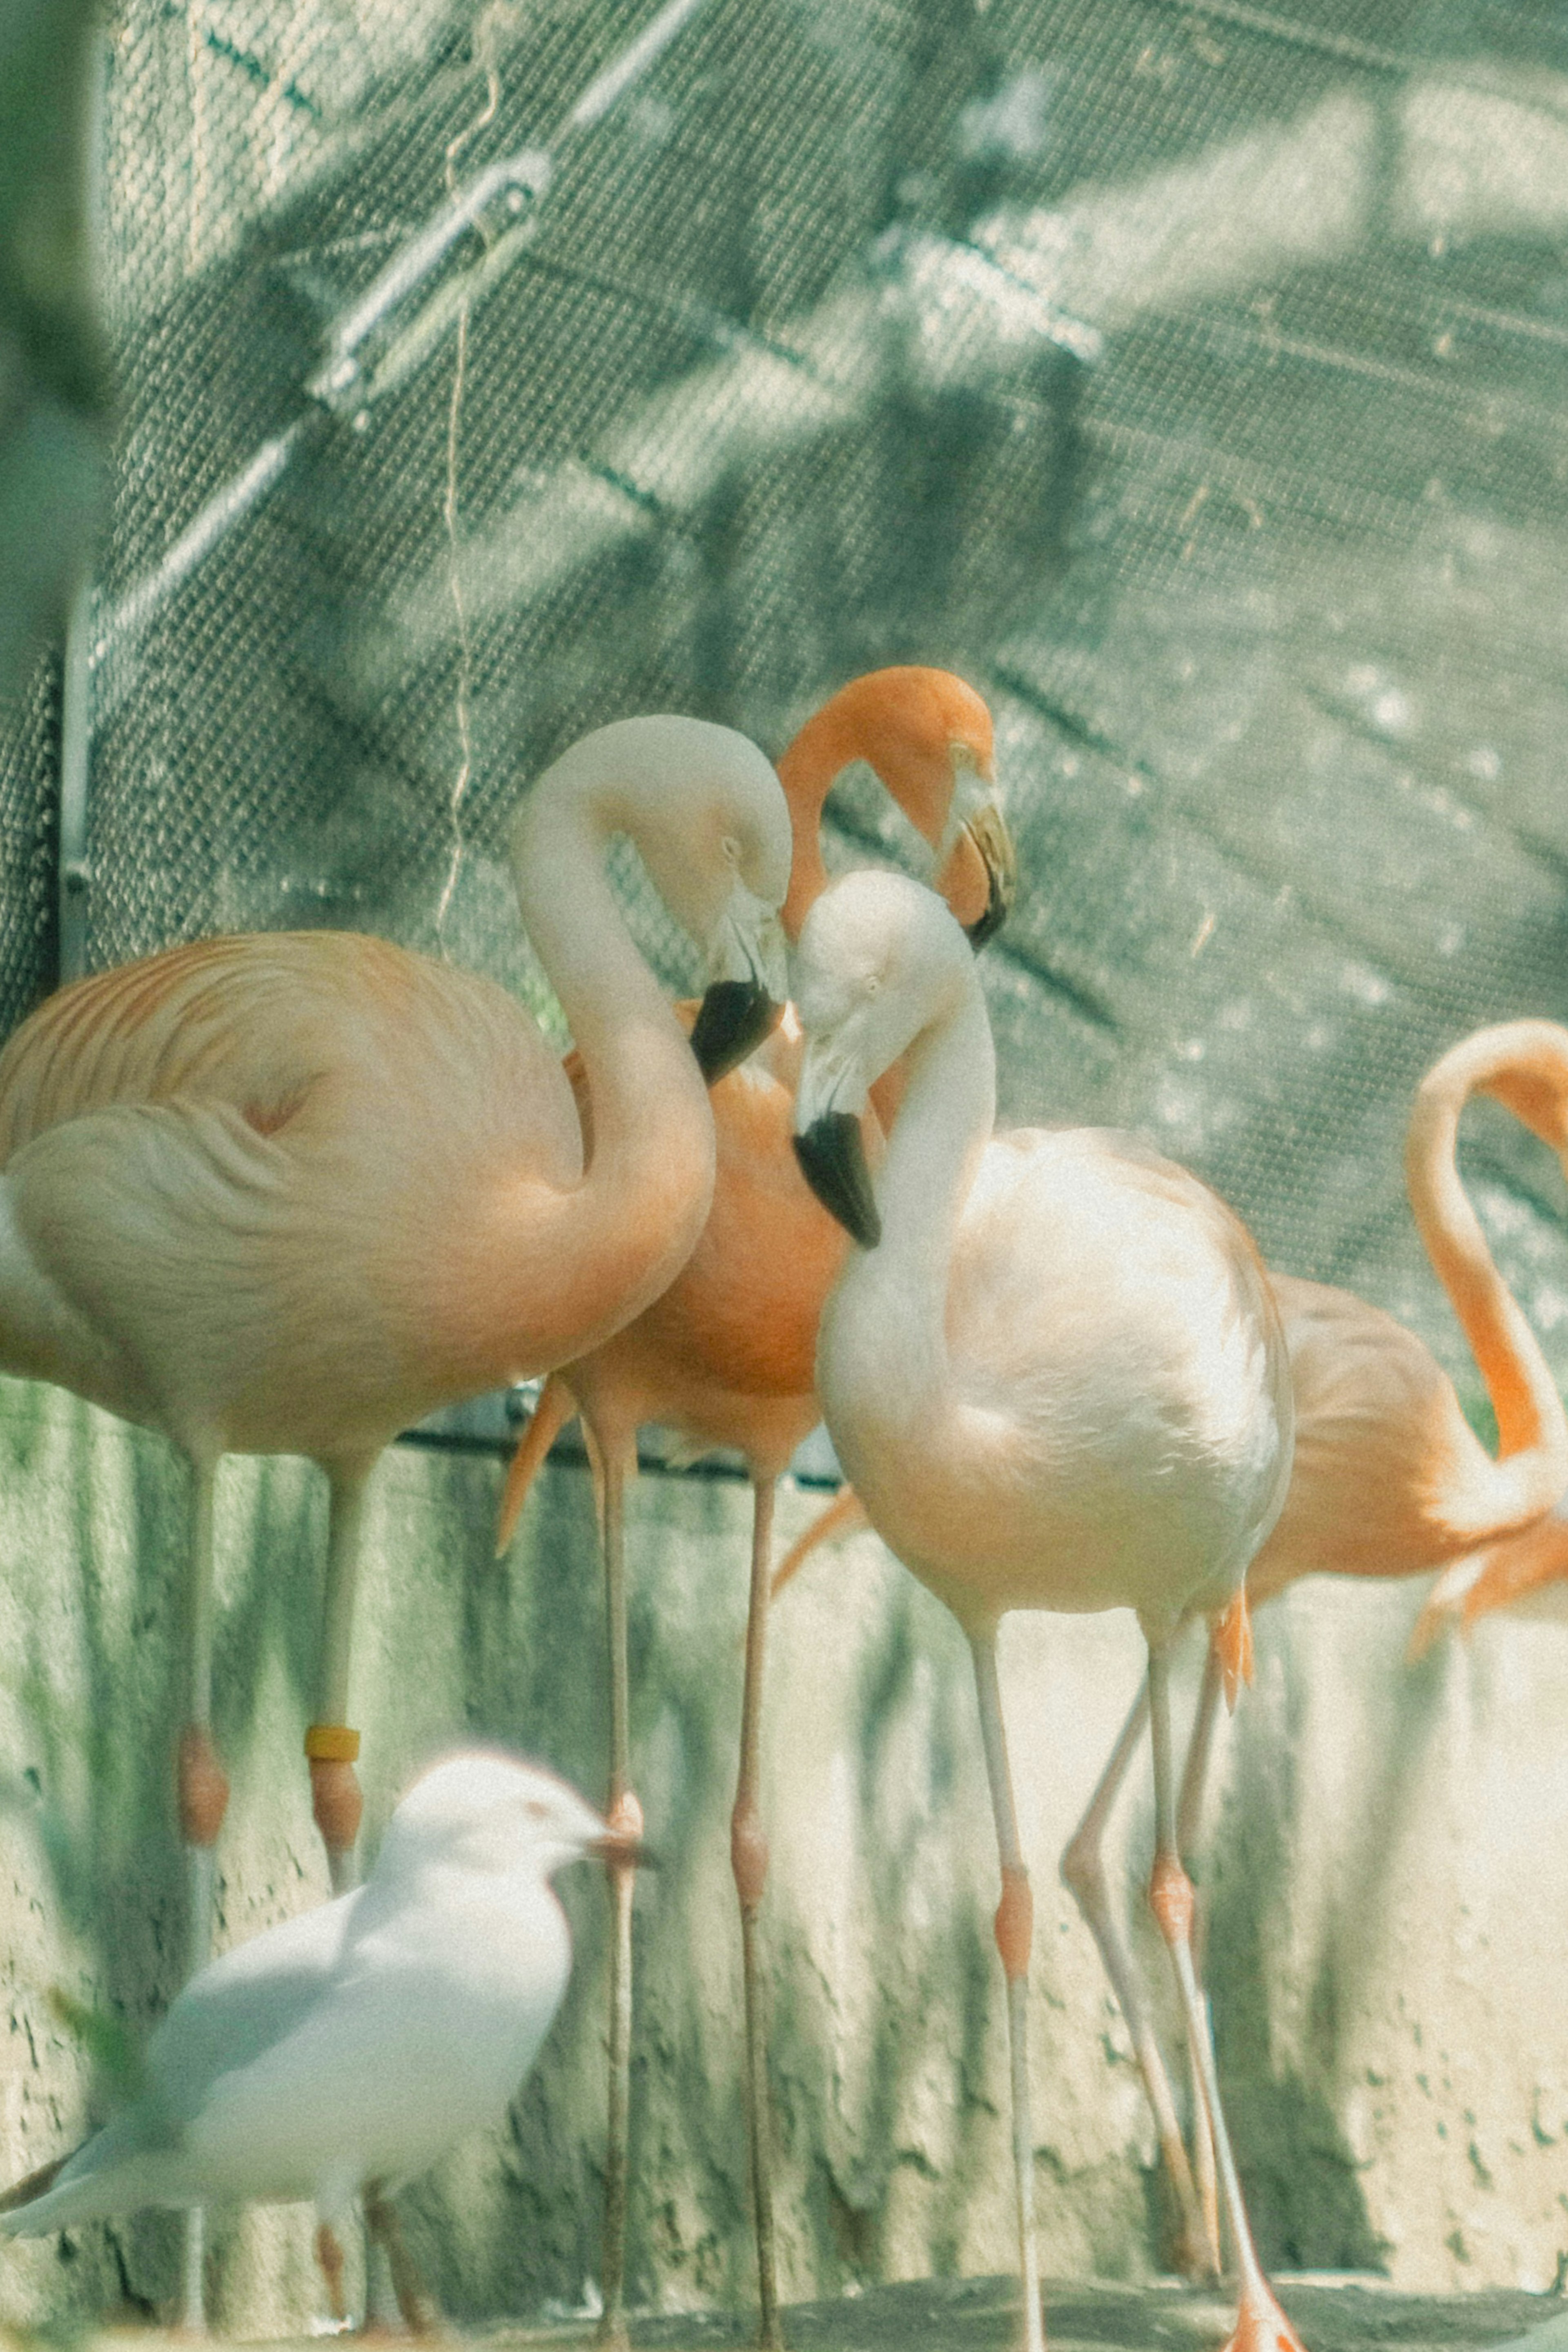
(1192, 378)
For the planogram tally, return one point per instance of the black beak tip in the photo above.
(832, 1161)
(993, 841)
(733, 1020)
(998, 906)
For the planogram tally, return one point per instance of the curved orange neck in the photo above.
(912, 725)
(807, 769)
(1529, 1414)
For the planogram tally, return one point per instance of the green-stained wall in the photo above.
(1388, 1906)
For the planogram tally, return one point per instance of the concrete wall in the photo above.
(1384, 1865)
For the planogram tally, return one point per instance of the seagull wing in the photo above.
(230, 2014)
(244, 2004)
(407, 2050)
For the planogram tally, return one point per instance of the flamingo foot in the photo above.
(1261, 2326)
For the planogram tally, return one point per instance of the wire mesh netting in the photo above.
(1190, 378)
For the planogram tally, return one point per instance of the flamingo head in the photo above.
(1530, 1080)
(878, 961)
(708, 815)
(928, 736)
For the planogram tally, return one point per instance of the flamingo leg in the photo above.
(1189, 1820)
(749, 1861)
(556, 1407)
(414, 2299)
(622, 1812)
(1014, 1928)
(331, 1746)
(846, 1511)
(203, 1791)
(1084, 1873)
(1261, 2326)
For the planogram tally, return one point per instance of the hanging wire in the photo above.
(368, 353)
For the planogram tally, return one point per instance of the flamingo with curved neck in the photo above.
(725, 1357)
(1388, 1480)
(288, 1194)
(1055, 1374)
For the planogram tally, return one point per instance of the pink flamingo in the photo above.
(1054, 1372)
(1388, 1480)
(288, 1193)
(724, 1357)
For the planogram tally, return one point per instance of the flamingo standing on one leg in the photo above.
(725, 1356)
(1388, 1480)
(290, 1193)
(1056, 1376)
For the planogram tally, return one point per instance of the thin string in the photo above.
(485, 30)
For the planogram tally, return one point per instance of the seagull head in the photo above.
(485, 1811)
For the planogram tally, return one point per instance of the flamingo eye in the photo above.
(731, 849)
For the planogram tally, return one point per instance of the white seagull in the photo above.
(344, 2053)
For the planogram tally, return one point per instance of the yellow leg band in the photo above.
(332, 1743)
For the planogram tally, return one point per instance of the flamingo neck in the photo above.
(1530, 1415)
(808, 770)
(628, 1227)
(894, 1298)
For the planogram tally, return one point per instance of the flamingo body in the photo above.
(277, 1195)
(1383, 1453)
(1133, 1463)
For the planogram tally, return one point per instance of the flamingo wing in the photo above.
(238, 1177)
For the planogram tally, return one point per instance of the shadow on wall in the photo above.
(1359, 1911)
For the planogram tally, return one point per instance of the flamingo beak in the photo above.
(733, 1020)
(746, 986)
(987, 830)
(832, 1159)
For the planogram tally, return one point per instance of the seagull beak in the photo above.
(832, 1159)
(733, 1019)
(988, 832)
